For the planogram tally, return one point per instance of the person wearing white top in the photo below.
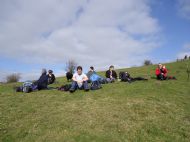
(79, 81)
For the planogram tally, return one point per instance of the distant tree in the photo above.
(147, 62)
(71, 66)
(189, 57)
(15, 77)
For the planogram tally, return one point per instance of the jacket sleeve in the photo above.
(107, 74)
(157, 72)
(53, 77)
(165, 72)
(115, 75)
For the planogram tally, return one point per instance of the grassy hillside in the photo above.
(141, 111)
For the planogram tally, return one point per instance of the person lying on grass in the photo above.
(30, 86)
(162, 73)
(111, 75)
(79, 81)
(125, 77)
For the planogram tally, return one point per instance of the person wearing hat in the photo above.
(51, 77)
(42, 82)
(111, 75)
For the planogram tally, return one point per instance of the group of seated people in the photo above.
(41, 84)
(162, 73)
(80, 80)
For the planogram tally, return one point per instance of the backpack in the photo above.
(95, 85)
(65, 87)
(124, 76)
(28, 87)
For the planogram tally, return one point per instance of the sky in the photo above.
(48, 33)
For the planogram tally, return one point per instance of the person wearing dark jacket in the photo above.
(42, 82)
(125, 77)
(51, 77)
(111, 75)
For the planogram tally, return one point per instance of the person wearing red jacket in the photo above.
(161, 72)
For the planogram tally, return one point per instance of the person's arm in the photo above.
(88, 74)
(53, 77)
(115, 74)
(107, 74)
(85, 78)
(74, 78)
(165, 72)
(157, 72)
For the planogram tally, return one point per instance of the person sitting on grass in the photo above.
(162, 73)
(90, 73)
(42, 82)
(111, 75)
(79, 81)
(126, 77)
(51, 77)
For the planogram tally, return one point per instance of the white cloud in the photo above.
(185, 51)
(184, 8)
(93, 32)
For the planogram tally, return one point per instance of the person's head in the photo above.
(79, 70)
(160, 65)
(111, 68)
(50, 71)
(91, 68)
(44, 71)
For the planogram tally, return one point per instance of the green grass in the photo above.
(157, 111)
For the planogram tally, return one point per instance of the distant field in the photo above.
(157, 111)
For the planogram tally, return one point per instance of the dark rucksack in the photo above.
(65, 87)
(124, 76)
(69, 76)
(95, 85)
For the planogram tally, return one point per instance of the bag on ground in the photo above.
(28, 87)
(65, 87)
(95, 85)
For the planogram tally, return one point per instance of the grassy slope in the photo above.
(141, 111)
